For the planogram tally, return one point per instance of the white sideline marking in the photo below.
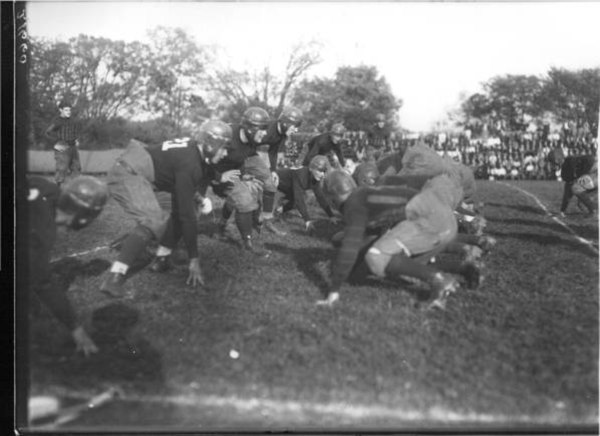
(81, 253)
(348, 410)
(586, 242)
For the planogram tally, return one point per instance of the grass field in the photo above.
(520, 351)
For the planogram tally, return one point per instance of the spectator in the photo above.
(65, 131)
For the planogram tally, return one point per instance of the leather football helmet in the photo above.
(291, 116)
(84, 197)
(214, 135)
(338, 129)
(319, 163)
(366, 174)
(337, 187)
(255, 117)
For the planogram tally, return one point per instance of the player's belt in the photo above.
(127, 167)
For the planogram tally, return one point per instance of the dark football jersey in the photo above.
(368, 210)
(180, 169)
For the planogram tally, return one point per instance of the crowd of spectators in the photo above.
(497, 155)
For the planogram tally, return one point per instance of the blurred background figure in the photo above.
(64, 132)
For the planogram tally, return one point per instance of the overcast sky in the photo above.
(428, 52)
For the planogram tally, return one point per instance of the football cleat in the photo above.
(442, 286)
(113, 285)
(161, 264)
(471, 271)
(247, 245)
(332, 297)
(270, 226)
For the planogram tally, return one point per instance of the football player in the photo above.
(278, 131)
(50, 208)
(378, 139)
(418, 164)
(294, 182)
(252, 194)
(419, 223)
(366, 174)
(181, 167)
(326, 144)
(391, 163)
(580, 174)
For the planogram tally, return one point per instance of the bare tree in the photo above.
(302, 58)
(264, 87)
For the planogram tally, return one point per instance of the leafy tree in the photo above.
(513, 98)
(563, 95)
(176, 67)
(99, 76)
(573, 95)
(355, 96)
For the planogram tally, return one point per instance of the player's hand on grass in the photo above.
(309, 226)
(230, 176)
(331, 298)
(83, 342)
(195, 275)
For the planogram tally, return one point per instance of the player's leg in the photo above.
(394, 256)
(258, 168)
(567, 194)
(136, 196)
(244, 199)
(75, 164)
(61, 158)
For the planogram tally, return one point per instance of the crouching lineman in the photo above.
(248, 185)
(420, 163)
(73, 207)
(181, 167)
(580, 174)
(366, 174)
(329, 143)
(278, 131)
(422, 224)
(294, 182)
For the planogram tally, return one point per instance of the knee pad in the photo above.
(243, 198)
(377, 261)
(583, 184)
(144, 232)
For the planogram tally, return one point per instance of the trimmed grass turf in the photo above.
(524, 344)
